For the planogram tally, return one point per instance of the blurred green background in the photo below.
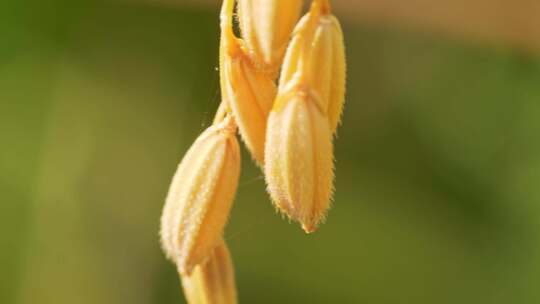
(437, 161)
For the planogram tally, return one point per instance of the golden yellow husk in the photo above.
(299, 166)
(317, 54)
(299, 158)
(200, 196)
(266, 27)
(212, 282)
(248, 91)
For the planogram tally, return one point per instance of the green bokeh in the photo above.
(437, 163)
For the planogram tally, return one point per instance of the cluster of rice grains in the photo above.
(282, 88)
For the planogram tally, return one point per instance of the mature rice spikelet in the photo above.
(200, 196)
(317, 51)
(212, 282)
(266, 26)
(248, 91)
(299, 157)
(299, 151)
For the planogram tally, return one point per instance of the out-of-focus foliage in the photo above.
(438, 165)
